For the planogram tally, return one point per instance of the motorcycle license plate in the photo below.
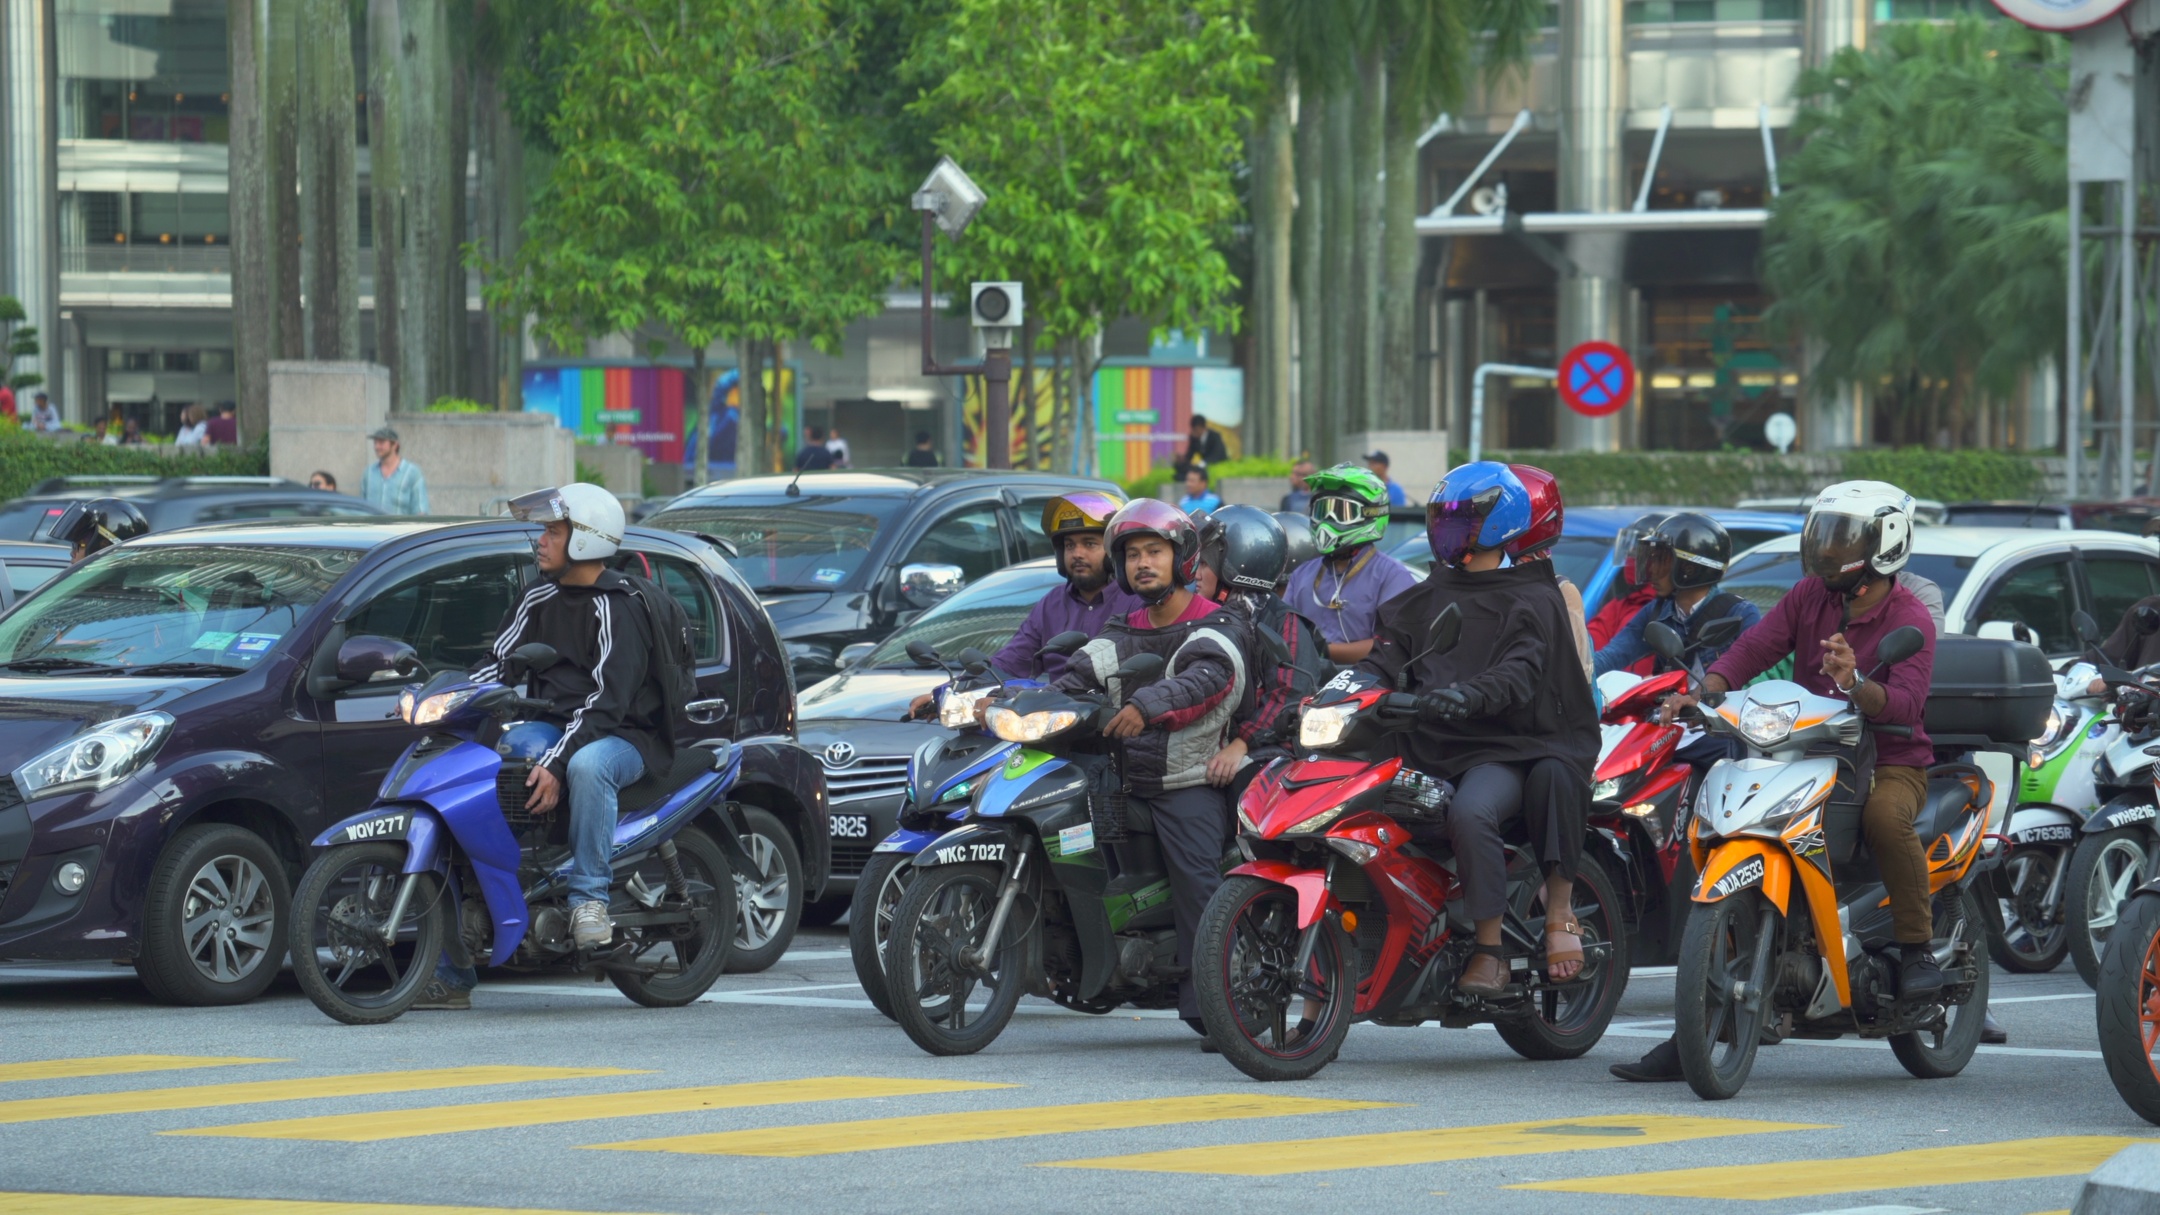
(851, 826)
(388, 826)
(962, 854)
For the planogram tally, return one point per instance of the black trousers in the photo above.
(1193, 827)
(1556, 812)
(1486, 797)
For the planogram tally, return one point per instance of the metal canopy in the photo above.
(1737, 218)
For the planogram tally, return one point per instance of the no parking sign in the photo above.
(1596, 379)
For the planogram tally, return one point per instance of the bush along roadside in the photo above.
(26, 460)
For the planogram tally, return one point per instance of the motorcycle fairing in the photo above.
(1638, 750)
(1313, 897)
(1310, 787)
(1738, 793)
(2123, 810)
(1641, 700)
(1746, 864)
(904, 840)
(989, 759)
(1012, 780)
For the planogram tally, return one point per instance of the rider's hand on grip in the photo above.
(1451, 703)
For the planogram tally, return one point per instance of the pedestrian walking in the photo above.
(924, 455)
(814, 456)
(394, 482)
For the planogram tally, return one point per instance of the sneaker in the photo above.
(1662, 1063)
(439, 996)
(590, 926)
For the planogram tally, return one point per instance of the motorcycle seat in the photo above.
(1950, 792)
(649, 790)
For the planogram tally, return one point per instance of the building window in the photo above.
(1659, 12)
(1711, 379)
(179, 219)
(159, 77)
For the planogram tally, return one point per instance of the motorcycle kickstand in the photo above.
(981, 957)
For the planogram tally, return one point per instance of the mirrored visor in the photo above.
(1836, 548)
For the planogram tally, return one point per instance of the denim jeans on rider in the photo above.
(598, 772)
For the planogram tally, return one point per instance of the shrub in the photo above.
(26, 460)
(1150, 483)
(458, 405)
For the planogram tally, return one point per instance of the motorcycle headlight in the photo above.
(2057, 718)
(959, 792)
(1768, 725)
(958, 711)
(1605, 790)
(1317, 821)
(434, 708)
(95, 759)
(1324, 726)
(1028, 727)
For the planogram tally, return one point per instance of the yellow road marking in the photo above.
(1433, 1146)
(876, 1134)
(22, 1203)
(446, 1119)
(2011, 1160)
(41, 1109)
(115, 1065)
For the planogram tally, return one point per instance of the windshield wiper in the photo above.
(35, 665)
(177, 668)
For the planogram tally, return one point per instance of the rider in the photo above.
(96, 524)
(1687, 555)
(1548, 515)
(1173, 725)
(1243, 556)
(1342, 589)
(1510, 693)
(1631, 591)
(1297, 529)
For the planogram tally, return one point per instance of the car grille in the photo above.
(866, 777)
(7, 878)
(851, 857)
(11, 797)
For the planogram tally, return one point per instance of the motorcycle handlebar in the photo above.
(1895, 731)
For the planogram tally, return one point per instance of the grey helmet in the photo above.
(1298, 527)
(1246, 548)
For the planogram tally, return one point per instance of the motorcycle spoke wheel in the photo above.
(2035, 934)
(949, 1000)
(1944, 1050)
(2104, 870)
(348, 959)
(1252, 992)
(870, 918)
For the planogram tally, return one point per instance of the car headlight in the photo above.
(1324, 726)
(1605, 790)
(95, 759)
(1028, 727)
(433, 709)
(1317, 821)
(1767, 725)
(958, 711)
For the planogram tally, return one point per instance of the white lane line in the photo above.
(2068, 995)
(1653, 972)
(815, 955)
(1880, 1210)
(1864, 1044)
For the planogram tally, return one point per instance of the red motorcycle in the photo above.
(1336, 916)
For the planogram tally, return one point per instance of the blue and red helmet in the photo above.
(1476, 506)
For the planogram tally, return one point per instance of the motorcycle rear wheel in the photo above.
(1250, 999)
(870, 914)
(2022, 946)
(1940, 1055)
(696, 960)
(1566, 1023)
(2127, 1007)
(944, 915)
(1720, 995)
(2103, 871)
(338, 951)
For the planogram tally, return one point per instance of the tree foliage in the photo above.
(1921, 231)
(17, 341)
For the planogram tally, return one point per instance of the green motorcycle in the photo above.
(2057, 792)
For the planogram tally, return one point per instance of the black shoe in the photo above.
(1919, 975)
(1662, 1063)
(1991, 1031)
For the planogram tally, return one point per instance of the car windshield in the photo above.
(1763, 578)
(187, 609)
(810, 543)
(984, 616)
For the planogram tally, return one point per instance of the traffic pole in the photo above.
(997, 410)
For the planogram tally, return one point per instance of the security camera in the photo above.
(995, 305)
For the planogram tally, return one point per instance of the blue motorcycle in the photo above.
(448, 862)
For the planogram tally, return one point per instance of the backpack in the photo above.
(674, 650)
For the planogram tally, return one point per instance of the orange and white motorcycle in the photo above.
(1791, 917)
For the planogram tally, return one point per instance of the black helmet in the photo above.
(1626, 550)
(1697, 546)
(1154, 517)
(96, 524)
(1246, 548)
(1297, 529)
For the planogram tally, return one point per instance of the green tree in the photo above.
(1921, 231)
(706, 185)
(17, 341)
(1107, 133)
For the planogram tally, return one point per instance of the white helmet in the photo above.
(1856, 527)
(595, 517)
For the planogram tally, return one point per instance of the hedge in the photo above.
(26, 460)
(1149, 483)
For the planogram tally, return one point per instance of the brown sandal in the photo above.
(1569, 937)
(1487, 973)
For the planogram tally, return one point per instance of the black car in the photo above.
(844, 558)
(24, 567)
(175, 502)
(177, 735)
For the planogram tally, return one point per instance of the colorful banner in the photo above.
(1039, 420)
(636, 406)
(1142, 413)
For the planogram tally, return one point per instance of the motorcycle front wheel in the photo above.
(1564, 1022)
(350, 960)
(1252, 993)
(870, 916)
(690, 964)
(2127, 1006)
(2106, 867)
(950, 1000)
(2033, 939)
(1721, 993)
(1939, 1054)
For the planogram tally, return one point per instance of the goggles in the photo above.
(1343, 512)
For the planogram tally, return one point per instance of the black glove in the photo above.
(1451, 703)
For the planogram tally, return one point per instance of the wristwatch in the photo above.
(1857, 680)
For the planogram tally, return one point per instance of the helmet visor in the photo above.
(1342, 512)
(1080, 511)
(69, 523)
(1454, 526)
(539, 506)
(1836, 548)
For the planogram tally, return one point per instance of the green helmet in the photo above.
(1349, 507)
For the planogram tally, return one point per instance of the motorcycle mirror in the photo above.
(1901, 644)
(971, 658)
(924, 654)
(1663, 640)
(1141, 668)
(1445, 631)
(2081, 622)
(1719, 633)
(537, 656)
(2148, 619)
(1066, 643)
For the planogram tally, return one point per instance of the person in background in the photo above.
(222, 430)
(319, 479)
(1198, 497)
(1631, 590)
(194, 429)
(1377, 461)
(923, 455)
(1299, 499)
(1687, 556)
(394, 482)
(44, 415)
(1202, 446)
(1341, 590)
(7, 401)
(131, 433)
(839, 449)
(814, 456)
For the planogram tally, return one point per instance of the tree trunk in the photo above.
(254, 320)
(454, 356)
(1335, 412)
(499, 221)
(280, 73)
(1399, 264)
(1367, 127)
(409, 112)
(1306, 269)
(1274, 194)
(750, 424)
(330, 191)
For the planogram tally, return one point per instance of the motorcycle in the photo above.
(449, 862)
(1791, 917)
(1017, 898)
(940, 775)
(1336, 916)
(2126, 1002)
(2117, 841)
(2058, 790)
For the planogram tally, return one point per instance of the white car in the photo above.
(2037, 578)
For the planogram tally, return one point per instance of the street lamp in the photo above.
(948, 199)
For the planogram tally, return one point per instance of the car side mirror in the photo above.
(1141, 668)
(1901, 644)
(1664, 640)
(926, 586)
(1719, 633)
(376, 660)
(1445, 630)
(852, 654)
(2148, 619)
(2081, 622)
(1065, 644)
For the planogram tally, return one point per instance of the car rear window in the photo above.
(811, 543)
(227, 605)
(1763, 578)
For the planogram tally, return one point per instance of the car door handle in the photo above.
(707, 712)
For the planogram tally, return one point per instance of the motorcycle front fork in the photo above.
(1007, 894)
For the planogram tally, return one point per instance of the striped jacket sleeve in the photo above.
(625, 651)
(512, 633)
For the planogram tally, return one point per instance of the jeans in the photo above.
(598, 773)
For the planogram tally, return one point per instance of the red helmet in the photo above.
(1153, 517)
(1546, 514)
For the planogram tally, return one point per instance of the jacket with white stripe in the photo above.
(1190, 709)
(603, 685)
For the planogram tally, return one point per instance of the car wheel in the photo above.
(769, 897)
(214, 919)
